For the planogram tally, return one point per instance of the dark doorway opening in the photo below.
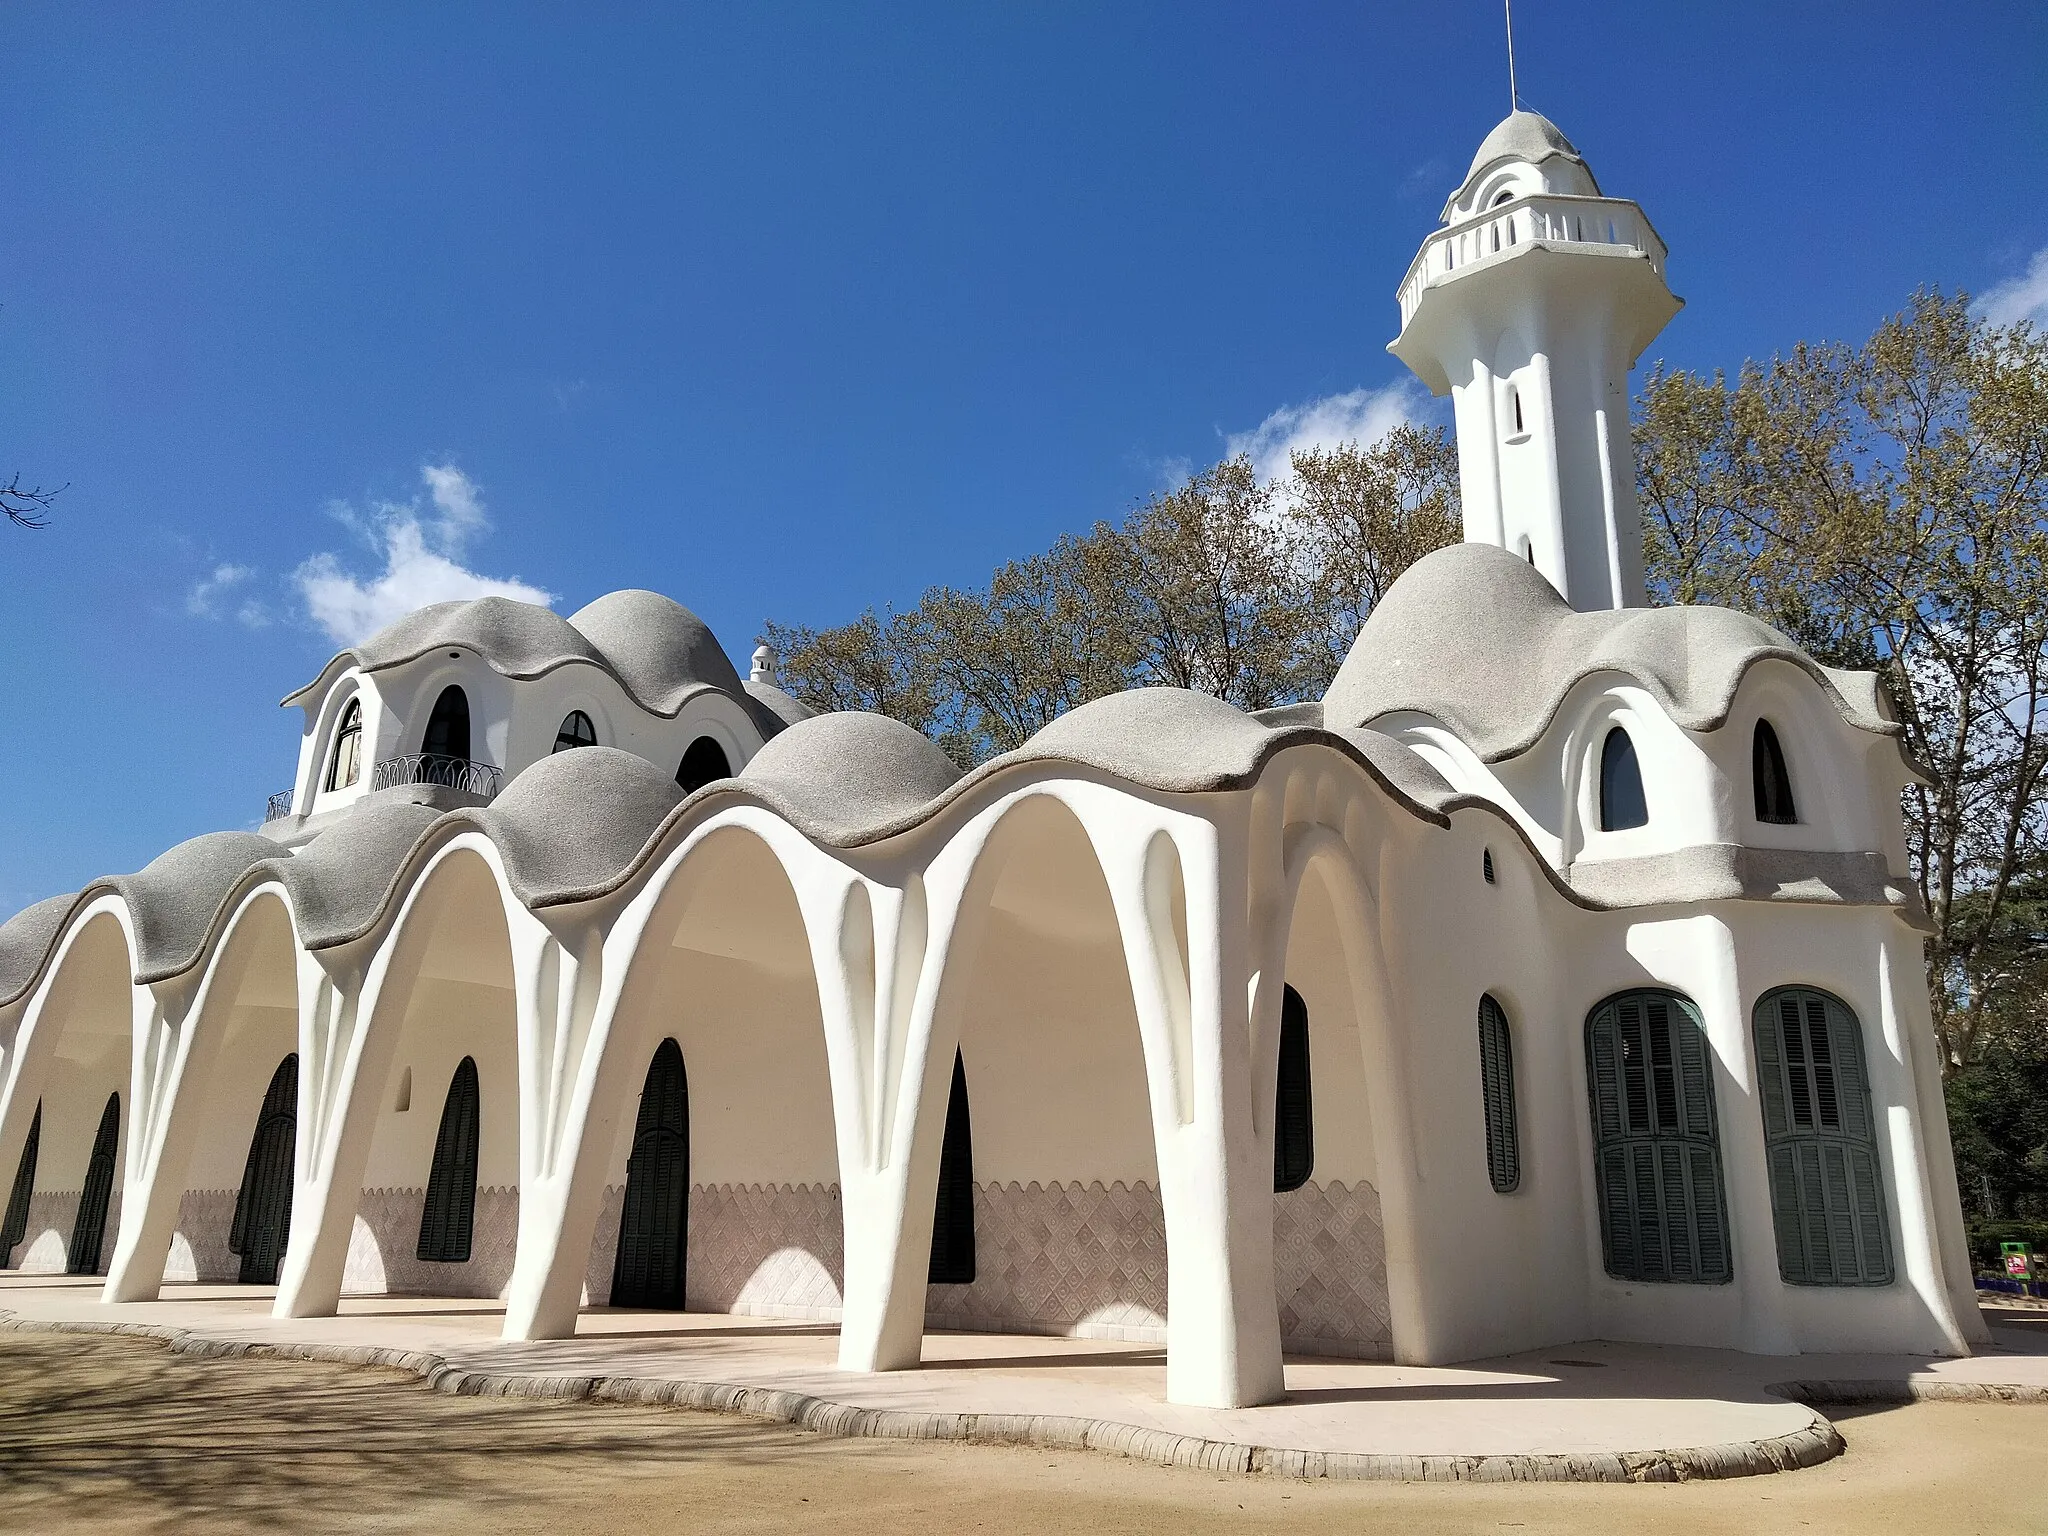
(448, 726)
(952, 1261)
(702, 764)
(89, 1232)
(263, 1209)
(654, 1220)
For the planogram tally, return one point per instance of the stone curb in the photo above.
(1807, 1447)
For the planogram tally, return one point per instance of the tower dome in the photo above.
(1528, 307)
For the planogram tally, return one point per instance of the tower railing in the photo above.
(1554, 218)
(479, 779)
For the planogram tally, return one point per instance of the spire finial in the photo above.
(1514, 96)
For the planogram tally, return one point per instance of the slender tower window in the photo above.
(89, 1232)
(1656, 1143)
(576, 731)
(1294, 1132)
(952, 1261)
(15, 1227)
(704, 762)
(1621, 784)
(1497, 1090)
(1827, 1194)
(347, 764)
(449, 1218)
(1773, 779)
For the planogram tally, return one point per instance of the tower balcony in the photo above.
(1554, 220)
(431, 768)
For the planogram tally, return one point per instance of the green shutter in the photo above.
(448, 1219)
(1294, 1132)
(1657, 1154)
(15, 1227)
(1497, 1089)
(1827, 1194)
(89, 1231)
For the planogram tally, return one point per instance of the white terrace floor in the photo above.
(1572, 1400)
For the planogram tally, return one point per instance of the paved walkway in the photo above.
(1593, 1411)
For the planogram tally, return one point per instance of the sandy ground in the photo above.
(121, 1435)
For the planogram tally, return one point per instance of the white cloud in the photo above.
(209, 596)
(422, 547)
(1361, 416)
(2024, 297)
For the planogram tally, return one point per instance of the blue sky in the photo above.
(789, 310)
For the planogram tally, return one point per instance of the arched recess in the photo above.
(447, 730)
(449, 996)
(242, 1028)
(704, 762)
(263, 1205)
(723, 969)
(86, 1252)
(1069, 1227)
(1331, 1236)
(73, 1052)
(649, 1269)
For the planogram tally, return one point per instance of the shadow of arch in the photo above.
(724, 968)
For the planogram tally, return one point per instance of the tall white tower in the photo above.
(1528, 308)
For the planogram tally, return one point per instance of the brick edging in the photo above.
(1816, 1443)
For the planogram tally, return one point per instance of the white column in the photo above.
(172, 1046)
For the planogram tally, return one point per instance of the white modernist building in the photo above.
(1556, 976)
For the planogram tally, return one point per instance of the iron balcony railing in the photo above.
(479, 779)
(280, 806)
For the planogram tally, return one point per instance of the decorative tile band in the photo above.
(45, 1246)
(381, 1250)
(767, 1250)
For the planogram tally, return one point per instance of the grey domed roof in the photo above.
(343, 880)
(26, 939)
(658, 651)
(1526, 136)
(840, 776)
(1478, 639)
(572, 823)
(175, 898)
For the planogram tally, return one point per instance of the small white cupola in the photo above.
(1528, 307)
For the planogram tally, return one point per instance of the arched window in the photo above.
(1827, 1196)
(449, 1217)
(448, 726)
(1294, 1130)
(263, 1208)
(1506, 195)
(1621, 784)
(953, 1215)
(89, 1231)
(1497, 1090)
(705, 761)
(1656, 1146)
(576, 731)
(346, 766)
(654, 1218)
(15, 1227)
(1772, 778)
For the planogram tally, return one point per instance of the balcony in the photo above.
(1556, 219)
(457, 773)
(280, 806)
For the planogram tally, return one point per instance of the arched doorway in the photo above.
(263, 1208)
(447, 732)
(89, 1232)
(654, 1218)
(15, 1227)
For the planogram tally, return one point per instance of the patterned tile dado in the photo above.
(1067, 1258)
(199, 1246)
(773, 1250)
(46, 1242)
(381, 1250)
(1330, 1270)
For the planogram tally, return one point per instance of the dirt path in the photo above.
(121, 1435)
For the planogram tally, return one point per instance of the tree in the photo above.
(1887, 506)
(27, 506)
